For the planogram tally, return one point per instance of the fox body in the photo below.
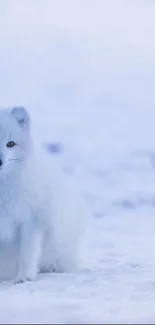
(42, 223)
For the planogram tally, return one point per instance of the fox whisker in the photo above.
(15, 159)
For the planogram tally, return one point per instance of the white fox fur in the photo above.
(42, 223)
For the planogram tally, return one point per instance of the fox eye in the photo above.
(11, 144)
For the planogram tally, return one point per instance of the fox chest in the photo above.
(11, 217)
(9, 241)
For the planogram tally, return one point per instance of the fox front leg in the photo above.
(31, 238)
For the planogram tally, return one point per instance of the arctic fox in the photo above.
(42, 224)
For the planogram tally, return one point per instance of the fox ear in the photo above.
(21, 115)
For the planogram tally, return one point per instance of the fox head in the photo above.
(14, 139)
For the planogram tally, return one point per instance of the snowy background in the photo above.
(85, 70)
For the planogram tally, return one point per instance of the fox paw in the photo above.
(21, 280)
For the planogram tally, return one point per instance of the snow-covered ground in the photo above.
(117, 287)
(85, 70)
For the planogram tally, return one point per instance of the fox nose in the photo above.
(1, 163)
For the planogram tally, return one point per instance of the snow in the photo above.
(85, 70)
(117, 287)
